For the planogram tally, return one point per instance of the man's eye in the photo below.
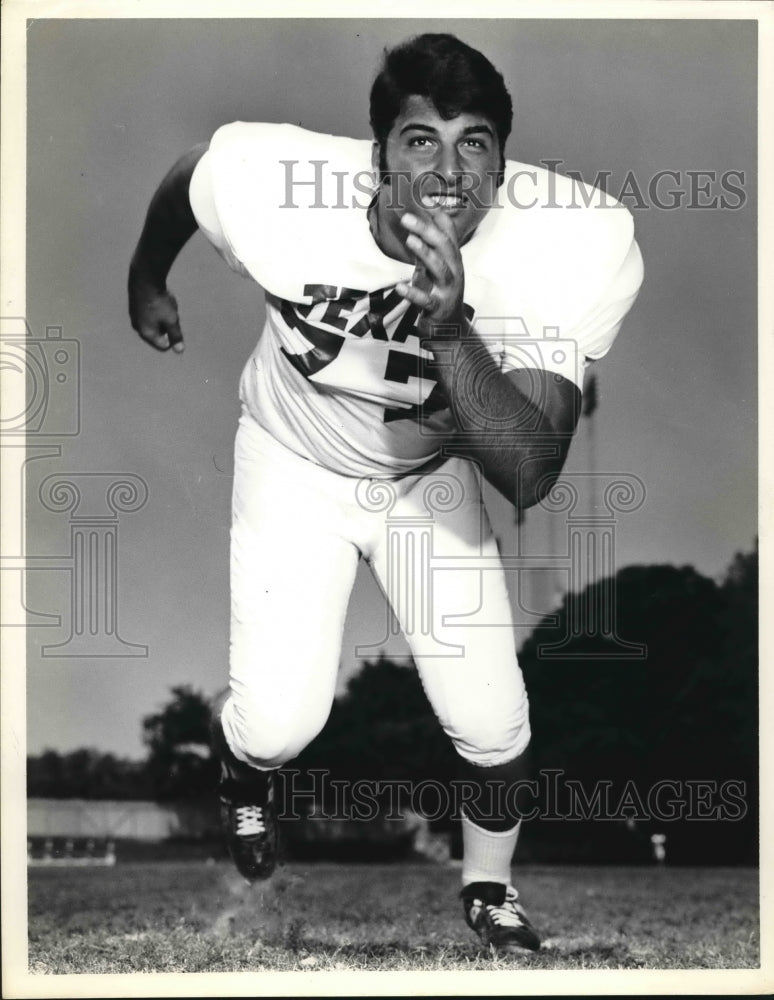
(475, 142)
(419, 140)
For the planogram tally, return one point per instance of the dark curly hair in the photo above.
(453, 76)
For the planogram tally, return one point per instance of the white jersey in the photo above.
(338, 375)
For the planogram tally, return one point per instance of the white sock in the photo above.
(486, 854)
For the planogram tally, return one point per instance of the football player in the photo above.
(430, 312)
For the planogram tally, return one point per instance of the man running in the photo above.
(430, 311)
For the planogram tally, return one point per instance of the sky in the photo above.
(112, 104)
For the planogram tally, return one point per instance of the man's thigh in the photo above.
(457, 615)
(292, 573)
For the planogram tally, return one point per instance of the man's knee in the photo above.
(268, 740)
(487, 743)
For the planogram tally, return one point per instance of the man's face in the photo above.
(435, 165)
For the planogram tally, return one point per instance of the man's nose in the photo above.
(449, 165)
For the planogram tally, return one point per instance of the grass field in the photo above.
(199, 917)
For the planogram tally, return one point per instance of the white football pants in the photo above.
(297, 533)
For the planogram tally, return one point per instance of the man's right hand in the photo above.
(154, 315)
(169, 224)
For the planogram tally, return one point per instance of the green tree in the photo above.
(382, 728)
(685, 712)
(85, 774)
(180, 764)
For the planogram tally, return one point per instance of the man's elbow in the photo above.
(532, 489)
(524, 479)
(525, 498)
(521, 493)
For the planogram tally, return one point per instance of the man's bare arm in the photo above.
(169, 225)
(516, 425)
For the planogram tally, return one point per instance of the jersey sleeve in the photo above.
(569, 350)
(563, 274)
(271, 187)
(596, 332)
(201, 195)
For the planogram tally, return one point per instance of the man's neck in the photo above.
(392, 244)
(389, 242)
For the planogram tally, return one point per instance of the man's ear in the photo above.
(376, 151)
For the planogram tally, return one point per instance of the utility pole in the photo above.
(589, 408)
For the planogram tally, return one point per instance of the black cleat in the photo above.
(247, 812)
(249, 822)
(492, 910)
